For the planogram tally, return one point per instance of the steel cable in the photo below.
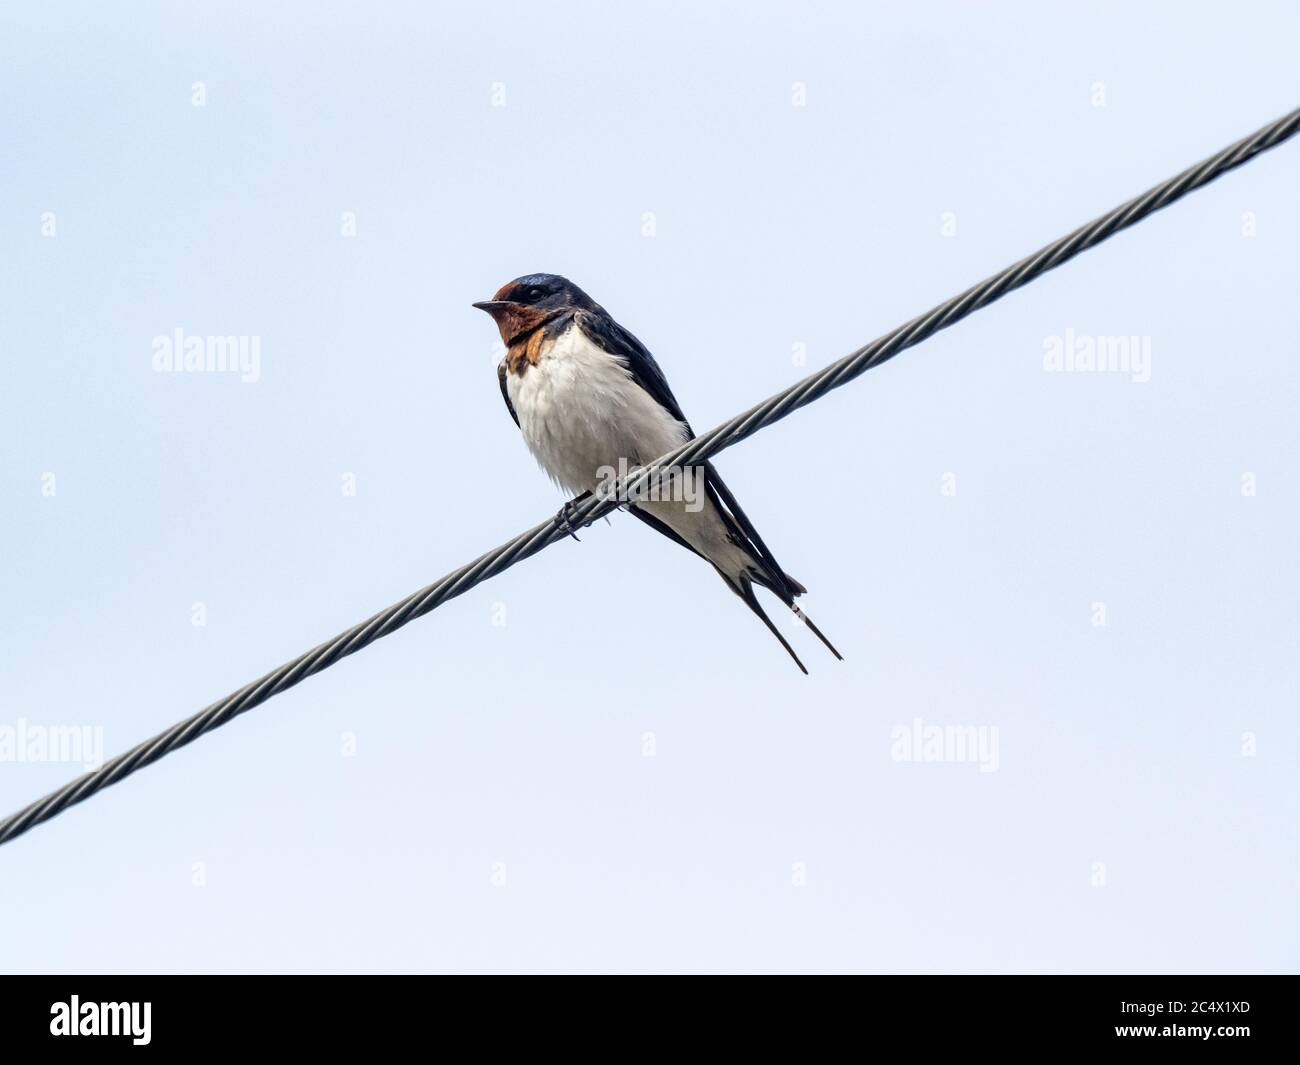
(637, 482)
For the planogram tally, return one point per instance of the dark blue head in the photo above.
(529, 302)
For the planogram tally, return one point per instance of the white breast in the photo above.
(580, 410)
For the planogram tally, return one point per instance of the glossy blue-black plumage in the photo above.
(562, 305)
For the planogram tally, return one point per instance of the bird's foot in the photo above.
(564, 519)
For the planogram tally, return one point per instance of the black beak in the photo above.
(493, 307)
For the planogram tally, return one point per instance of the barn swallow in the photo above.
(588, 397)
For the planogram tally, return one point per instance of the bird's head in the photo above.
(527, 303)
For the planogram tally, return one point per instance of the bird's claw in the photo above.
(564, 519)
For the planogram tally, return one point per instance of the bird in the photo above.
(589, 398)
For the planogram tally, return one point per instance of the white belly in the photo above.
(581, 413)
(580, 410)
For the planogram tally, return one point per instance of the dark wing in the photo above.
(608, 335)
(505, 392)
(603, 331)
(742, 532)
(773, 577)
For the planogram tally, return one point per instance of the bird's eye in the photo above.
(534, 294)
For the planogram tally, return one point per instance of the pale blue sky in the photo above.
(484, 748)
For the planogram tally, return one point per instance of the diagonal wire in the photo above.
(528, 543)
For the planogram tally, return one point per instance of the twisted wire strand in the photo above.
(743, 425)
